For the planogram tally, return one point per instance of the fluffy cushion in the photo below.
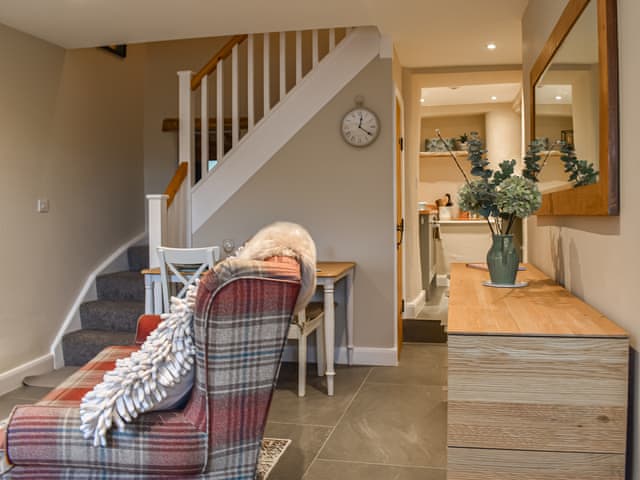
(289, 240)
(159, 376)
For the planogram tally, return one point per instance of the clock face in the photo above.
(360, 127)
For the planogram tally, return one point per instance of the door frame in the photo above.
(398, 100)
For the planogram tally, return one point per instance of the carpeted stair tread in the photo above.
(121, 286)
(138, 257)
(111, 315)
(82, 345)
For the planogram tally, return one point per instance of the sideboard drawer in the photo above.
(563, 394)
(486, 464)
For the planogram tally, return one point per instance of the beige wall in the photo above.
(342, 194)
(597, 258)
(71, 124)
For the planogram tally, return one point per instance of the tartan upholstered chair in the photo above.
(243, 313)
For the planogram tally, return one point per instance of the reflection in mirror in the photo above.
(566, 102)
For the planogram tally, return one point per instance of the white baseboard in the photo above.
(385, 357)
(112, 263)
(12, 379)
(442, 280)
(412, 308)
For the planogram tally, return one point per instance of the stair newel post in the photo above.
(186, 144)
(157, 228)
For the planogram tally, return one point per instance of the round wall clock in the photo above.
(360, 127)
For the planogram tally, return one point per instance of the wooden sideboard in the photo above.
(537, 383)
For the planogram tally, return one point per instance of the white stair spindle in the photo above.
(220, 112)
(283, 70)
(204, 126)
(332, 38)
(185, 139)
(235, 125)
(298, 56)
(315, 55)
(266, 62)
(250, 81)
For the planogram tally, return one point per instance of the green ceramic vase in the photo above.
(503, 260)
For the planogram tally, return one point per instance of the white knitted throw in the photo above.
(140, 382)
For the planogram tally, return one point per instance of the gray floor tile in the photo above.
(399, 425)
(420, 364)
(306, 441)
(315, 408)
(51, 379)
(28, 394)
(332, 470)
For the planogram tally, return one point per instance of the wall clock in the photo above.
(360, 126)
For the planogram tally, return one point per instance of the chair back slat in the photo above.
(185, 266)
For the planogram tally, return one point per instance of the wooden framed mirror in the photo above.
(574, 98)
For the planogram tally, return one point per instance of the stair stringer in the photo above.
(279, 126)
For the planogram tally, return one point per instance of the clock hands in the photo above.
(365, 131)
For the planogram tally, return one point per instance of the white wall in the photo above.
(341, 194)
(71, 124)
(597, 258)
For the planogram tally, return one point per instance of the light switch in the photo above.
(43, 205)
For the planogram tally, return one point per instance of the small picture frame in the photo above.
(566, 136)
(118, 50)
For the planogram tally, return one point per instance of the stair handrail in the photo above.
(176, 182)
(211, 65)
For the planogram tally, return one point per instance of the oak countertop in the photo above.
(543, 308)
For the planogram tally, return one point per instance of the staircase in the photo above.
(291, 76)
(112, 318)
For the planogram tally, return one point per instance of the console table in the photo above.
(537, 383)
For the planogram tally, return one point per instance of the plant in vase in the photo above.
(462, 142)
(500, 197)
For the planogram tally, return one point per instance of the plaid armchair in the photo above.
(243, 312)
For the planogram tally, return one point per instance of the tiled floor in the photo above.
(383, 423)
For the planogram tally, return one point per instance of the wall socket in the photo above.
(42, 205)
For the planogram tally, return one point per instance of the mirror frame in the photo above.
(602, 198)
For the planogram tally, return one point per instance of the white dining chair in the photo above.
(307, 321)
(183, 266)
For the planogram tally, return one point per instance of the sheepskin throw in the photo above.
(152, 378)
(289, 240)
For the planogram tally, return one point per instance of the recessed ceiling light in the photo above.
(491, 46)
(558, 97)
(422, 100)
(494, 98)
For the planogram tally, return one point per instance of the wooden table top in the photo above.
(325, 269)
(543, 308)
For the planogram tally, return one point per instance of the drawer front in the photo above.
(538, 393)
(485, 464)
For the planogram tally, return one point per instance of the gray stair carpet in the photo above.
(112, 318)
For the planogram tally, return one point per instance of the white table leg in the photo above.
(350, 317)
(148, 295)
(329, 334)
(157, 298)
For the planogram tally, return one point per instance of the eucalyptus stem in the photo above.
(511, 220)
(453, 155)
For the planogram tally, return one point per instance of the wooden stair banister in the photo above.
(176, 182)
(223, 53)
